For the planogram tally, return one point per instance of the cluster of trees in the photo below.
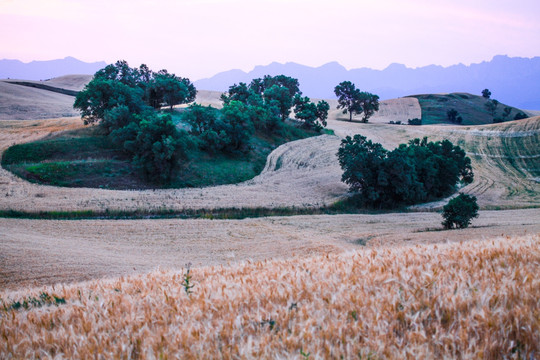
(278, 95)
(124, 100)
(354, 101)
(412, 173)
(263, 105)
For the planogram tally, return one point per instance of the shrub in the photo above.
(415, 121)
(460, 211)
(520, 115)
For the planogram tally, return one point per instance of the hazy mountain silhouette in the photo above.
(43, 70)
(514, 81)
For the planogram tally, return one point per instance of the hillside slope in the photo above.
(470, 299)
(470, 107)
(18, 102)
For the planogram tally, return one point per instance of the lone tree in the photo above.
(486, 93)
(460, 211)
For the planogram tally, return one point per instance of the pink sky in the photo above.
(198, 38)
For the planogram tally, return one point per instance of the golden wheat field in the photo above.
(468, 299)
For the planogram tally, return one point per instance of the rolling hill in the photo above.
(29, 100)
(470, 107)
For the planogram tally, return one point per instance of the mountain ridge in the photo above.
(47, 69)
(512, 80)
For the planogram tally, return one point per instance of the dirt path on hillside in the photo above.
(39, 252)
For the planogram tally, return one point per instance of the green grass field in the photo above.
(470, 107)
(87, 158)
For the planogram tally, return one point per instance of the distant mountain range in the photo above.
(511, 80)
(43, 70)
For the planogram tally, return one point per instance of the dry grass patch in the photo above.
(476, 299)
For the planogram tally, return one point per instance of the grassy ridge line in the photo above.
(219, 213)
(45, 87)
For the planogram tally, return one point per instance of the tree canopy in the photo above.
(313, 115)
(460, 211)
(118, 84)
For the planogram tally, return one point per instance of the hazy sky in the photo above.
(198, 38)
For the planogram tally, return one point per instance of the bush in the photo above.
(520, 115)
(460, 211)
(155, 144)
(415, 121)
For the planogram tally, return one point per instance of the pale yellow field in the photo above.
(467, 300)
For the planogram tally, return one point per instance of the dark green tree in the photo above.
(506, 112)
(491, 107)
(170, 90)
(239, 92)
(348, 98)
(102, 95)
(280, 97)
(313, 115)
(156, 147)
(200, 118)
(362, 161)
(412, 173)
(520, 115)
(453, 116)
(237, 126)
(291, 84)
(460, 211)
(439, 166)
(369, 104)
(486, 93)
(264, 115)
